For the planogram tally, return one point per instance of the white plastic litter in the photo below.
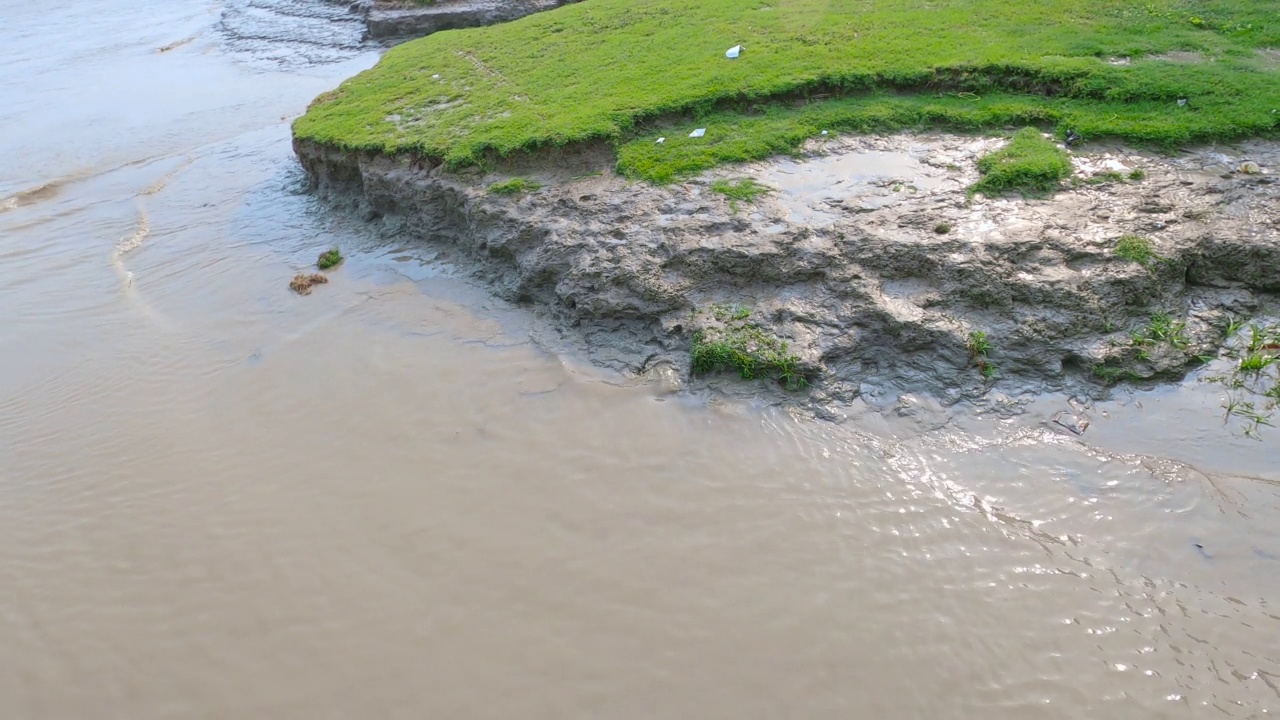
(661, 140)
(698, 133)
(436, 76)
(1182, 102)
(733, 52)
(824, 132)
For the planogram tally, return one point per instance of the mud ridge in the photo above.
(396, 20)
(866, 257)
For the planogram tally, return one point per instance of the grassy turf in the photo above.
(627, 71)
(1029, 164)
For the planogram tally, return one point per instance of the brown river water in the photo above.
(222, 500)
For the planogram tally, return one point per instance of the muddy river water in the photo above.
(222, 500)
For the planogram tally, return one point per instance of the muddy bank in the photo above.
(868, 259)
(405, 19)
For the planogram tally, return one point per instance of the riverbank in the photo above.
(780, 233)
(399, 20)
(866, 259)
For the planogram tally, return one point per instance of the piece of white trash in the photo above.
(824, 132)
(698, 133)
(1182, 102)
(733, 52)
(661, 140)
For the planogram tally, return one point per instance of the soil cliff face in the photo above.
(404, 20)
(868, 259)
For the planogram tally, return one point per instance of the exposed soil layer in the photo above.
(403, 19)
(867, 258)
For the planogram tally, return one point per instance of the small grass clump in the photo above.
(747, 350)
(1135, 248)
(515, 186)
(745, 190)
(724, 312)
(1137, 175)
(303, 282)
(979, 346)
(329, 259)
(624, 73)
(942, 228)
(1252, 387)
(1030, 164)
(1162, 328)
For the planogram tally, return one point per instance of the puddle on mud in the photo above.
(816, 191)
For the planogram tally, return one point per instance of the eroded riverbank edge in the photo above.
(400, 20)
(867, 258)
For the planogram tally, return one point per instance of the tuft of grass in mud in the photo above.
(980, 347)
(1137, 175)
(329, 259)
(747, 350)
(1161, 327)
(1135, 248)
(942, 228)
(586, 72)
(724, 312)
(1030, 164)
(303, 282)
(746, 190)
(1252, 386)
(515, 186)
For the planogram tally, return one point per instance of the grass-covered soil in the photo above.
(629, 71)
(1030, 164)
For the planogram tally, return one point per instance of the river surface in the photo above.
(222, 500)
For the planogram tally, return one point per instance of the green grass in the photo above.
(627, 71)
(747, 350)
(1135, 248)
(515, 186)
(1162, 328)
(742, 190)
(979, 344)
(329, 259)
(1030, 164)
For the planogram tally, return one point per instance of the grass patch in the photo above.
(1135, 248)
(1030, 164)
(586, 72)
(515, 186)
(1137, 175)
(747, 350)
(979, 346)
(1252, 387)
(942, 228)
(1162, 328)
(747, 190)
(329, 259)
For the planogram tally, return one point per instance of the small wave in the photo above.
(31, 196)
(291, 32)
(134, 241)
(176, 44)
